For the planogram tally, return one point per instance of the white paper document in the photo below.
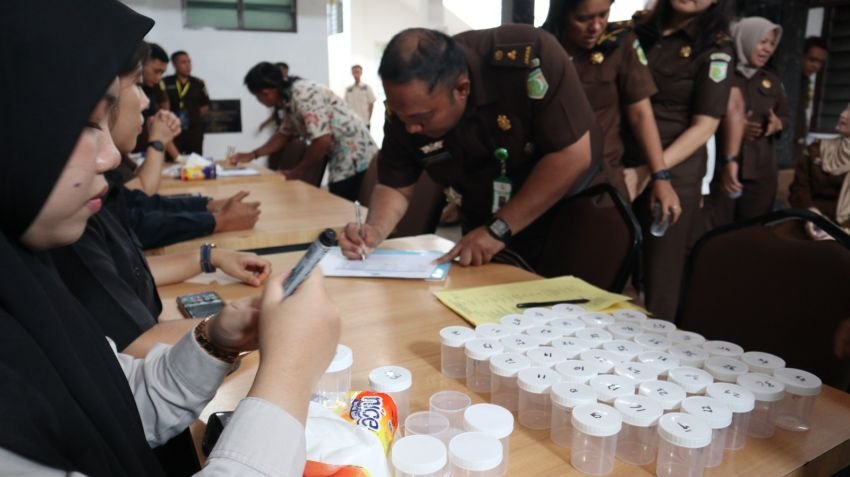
(385, 263)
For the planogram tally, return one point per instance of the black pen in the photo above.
(575, 301)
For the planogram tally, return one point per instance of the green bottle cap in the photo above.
(501, 154)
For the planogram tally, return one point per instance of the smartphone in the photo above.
(200, 305)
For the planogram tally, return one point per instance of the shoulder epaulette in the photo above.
(516, 55)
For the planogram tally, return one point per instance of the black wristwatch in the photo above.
(499, 230)
(662, 175)
(158, 145)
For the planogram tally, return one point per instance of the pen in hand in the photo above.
(358, 217)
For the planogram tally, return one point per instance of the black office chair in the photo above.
(595, 236)
(764, 285)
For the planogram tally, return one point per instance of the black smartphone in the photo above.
(200, 305)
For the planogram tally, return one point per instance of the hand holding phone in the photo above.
(200, 305)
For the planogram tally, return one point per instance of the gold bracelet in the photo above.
(210, 348)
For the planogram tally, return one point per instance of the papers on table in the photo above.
(239, 171)
(385, 263)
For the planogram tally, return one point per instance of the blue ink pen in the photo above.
(308, 262)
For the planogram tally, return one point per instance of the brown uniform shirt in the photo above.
(762, 93)
(614, 75)
(812, 187)
(188, 108)
(499, 113)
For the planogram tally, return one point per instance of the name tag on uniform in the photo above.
(502, 188)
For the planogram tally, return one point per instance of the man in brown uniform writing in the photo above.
(500, 116)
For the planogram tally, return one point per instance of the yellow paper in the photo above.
(489, 303)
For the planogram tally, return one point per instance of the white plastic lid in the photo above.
(541, 315)
(456, 336)
(639, 411)
(507, 365)
(605, 359)
(573, 346)
(628, 315)
(684, 430)
(568, 309)
(668, 394)
(736, 397)
(343, 359)
(537, 380)
(491, 330)
(519, 343)
(760, 362)
(639, 372)
(575, 371)
(798, 382)
(653, 341)
(419, 454)
(689, 355)
(725, 369)
(517, 321)
(625, 330)
(475, 451)
(483, 348)
(723, 348)
(764, 388)
(597, 420)
(572, 394)
(626, 350)
(544, 333)
(716, 414)
(653, 325)
(686, 337)
(597, 320)
(547, 356)
(390, 379)
(490, 419)
(567, 325)
(692, 380)
(661, 360)
(609, 387)
(596, 336)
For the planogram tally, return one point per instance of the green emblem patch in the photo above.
(536, 85)
(717, 71)
(639, 52)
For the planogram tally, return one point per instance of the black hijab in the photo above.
(65, 401)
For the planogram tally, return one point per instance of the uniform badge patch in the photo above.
(503, 122)
(641, 55)
(685, 51)
(766, 84)
(721, 56)
(536, 85)
(717, 70)
(596, 58)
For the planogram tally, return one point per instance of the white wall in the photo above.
(221, 58)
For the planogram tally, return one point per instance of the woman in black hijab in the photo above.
(68, 403)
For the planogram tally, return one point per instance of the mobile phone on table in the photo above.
(200, 305)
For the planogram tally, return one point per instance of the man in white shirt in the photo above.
(360, 96)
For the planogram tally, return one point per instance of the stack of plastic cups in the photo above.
(492, 330)
(419, 456)
(572, 345)
(661, 327)
(692, 380)
(764, 363)
(801, 391)
(478, 354)
(567, 326)
(546, 356)
(494, 421)
(517, 323)
(741, 402)
(334, 386)
(638, 440)
(653, 342)
(535, 407)
(595, 336)
(718, 417)
(519, 343)
(565, 397)
(625, 350)
(682, 337)
(452, 405)
(629, 316)
(452, 357)
(639, 372)
(604, 359)
(725, 370)
(395, 381)
(768, 391)
(662, 361)
(609, 387)
(503, 381)
(475, 454)
(594, 442)
(682, 445)
(575, 371)
(668, 395)
(692, 356)
(723, 348)
(540, 315)
(544, 333)
(568, 309)
(625, 330)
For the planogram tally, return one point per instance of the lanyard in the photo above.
(181, 93)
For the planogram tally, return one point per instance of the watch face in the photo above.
(499, 227)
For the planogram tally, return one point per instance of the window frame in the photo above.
(240, 15)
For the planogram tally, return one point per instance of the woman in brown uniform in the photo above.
(745, 186)
(613, 70)
(689, 55)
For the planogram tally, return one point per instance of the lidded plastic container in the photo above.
(625, 350)
(452, 405)
(516, 322)
(661, 360)
(667, 394)
(741, 402)
(503, 380)
(625, 330)
(566, 397)
(544, 333)
(395, 381)
(519, 343)
(682, 337)
(595, 336)
(661, 327)
(577, 371)
(725, 370)
(638, 372)
(452, 357)
(605, 359)
(692, 380)
(801, 391)
(429, 423)
(572, 345)
(475, 454)
(594, 442)
(333, 387)
(638, 439)
(723, 348)
(718, 416)
(546, 356)
(630, 316)
(609, 387)
(568, 309)
(653, 342)
(494, 421)
(567, 325)
(478, 354)
(768, 391)
(682, 446)
(535, 407)
(419, 456)
(541, 315)
(760, 362)
(492, 330)
(597, 320)
(692, 356)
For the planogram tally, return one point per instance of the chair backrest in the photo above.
(291, 155)
(764, 285)
(594, 236)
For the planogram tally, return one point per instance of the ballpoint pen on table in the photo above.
(358, 217)
(577, 301)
